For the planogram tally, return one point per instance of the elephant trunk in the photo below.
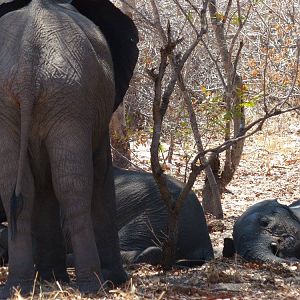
(263, 250)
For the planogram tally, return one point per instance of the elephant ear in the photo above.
(7, 6)
(121, 35)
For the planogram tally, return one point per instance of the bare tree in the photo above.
(170, 82)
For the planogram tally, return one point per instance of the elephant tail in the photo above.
(17, 201)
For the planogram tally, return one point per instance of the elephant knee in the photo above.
(76, 220)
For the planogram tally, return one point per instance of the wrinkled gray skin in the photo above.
(268, 231)
(142, 222)
(56, 99)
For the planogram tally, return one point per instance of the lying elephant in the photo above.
(268, 231)
(142, 222)
(63, 70)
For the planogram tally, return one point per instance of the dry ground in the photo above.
(270, 168)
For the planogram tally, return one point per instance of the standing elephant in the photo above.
(268, 231)
(58, 89)
(142, 222)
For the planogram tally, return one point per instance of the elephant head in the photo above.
(268, 231)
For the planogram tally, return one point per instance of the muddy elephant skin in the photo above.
(58, 90)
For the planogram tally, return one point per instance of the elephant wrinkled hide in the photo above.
(142, 221)
(60, 80)
(118, 29)
(267, 231)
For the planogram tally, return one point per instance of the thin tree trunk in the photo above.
(210, 206)
(169, 249)
(234, 106)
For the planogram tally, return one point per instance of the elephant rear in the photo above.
(55, 68)
(57, 95)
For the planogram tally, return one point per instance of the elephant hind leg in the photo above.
(70, 154)
(104, 216)
(50, 255)
(21, 269)
(3, 244)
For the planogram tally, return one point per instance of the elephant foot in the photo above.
(6, 292)
(62, 276)
(115, 275)
(24, 288)
(90, 285)
(70, 260)
(59, 274)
